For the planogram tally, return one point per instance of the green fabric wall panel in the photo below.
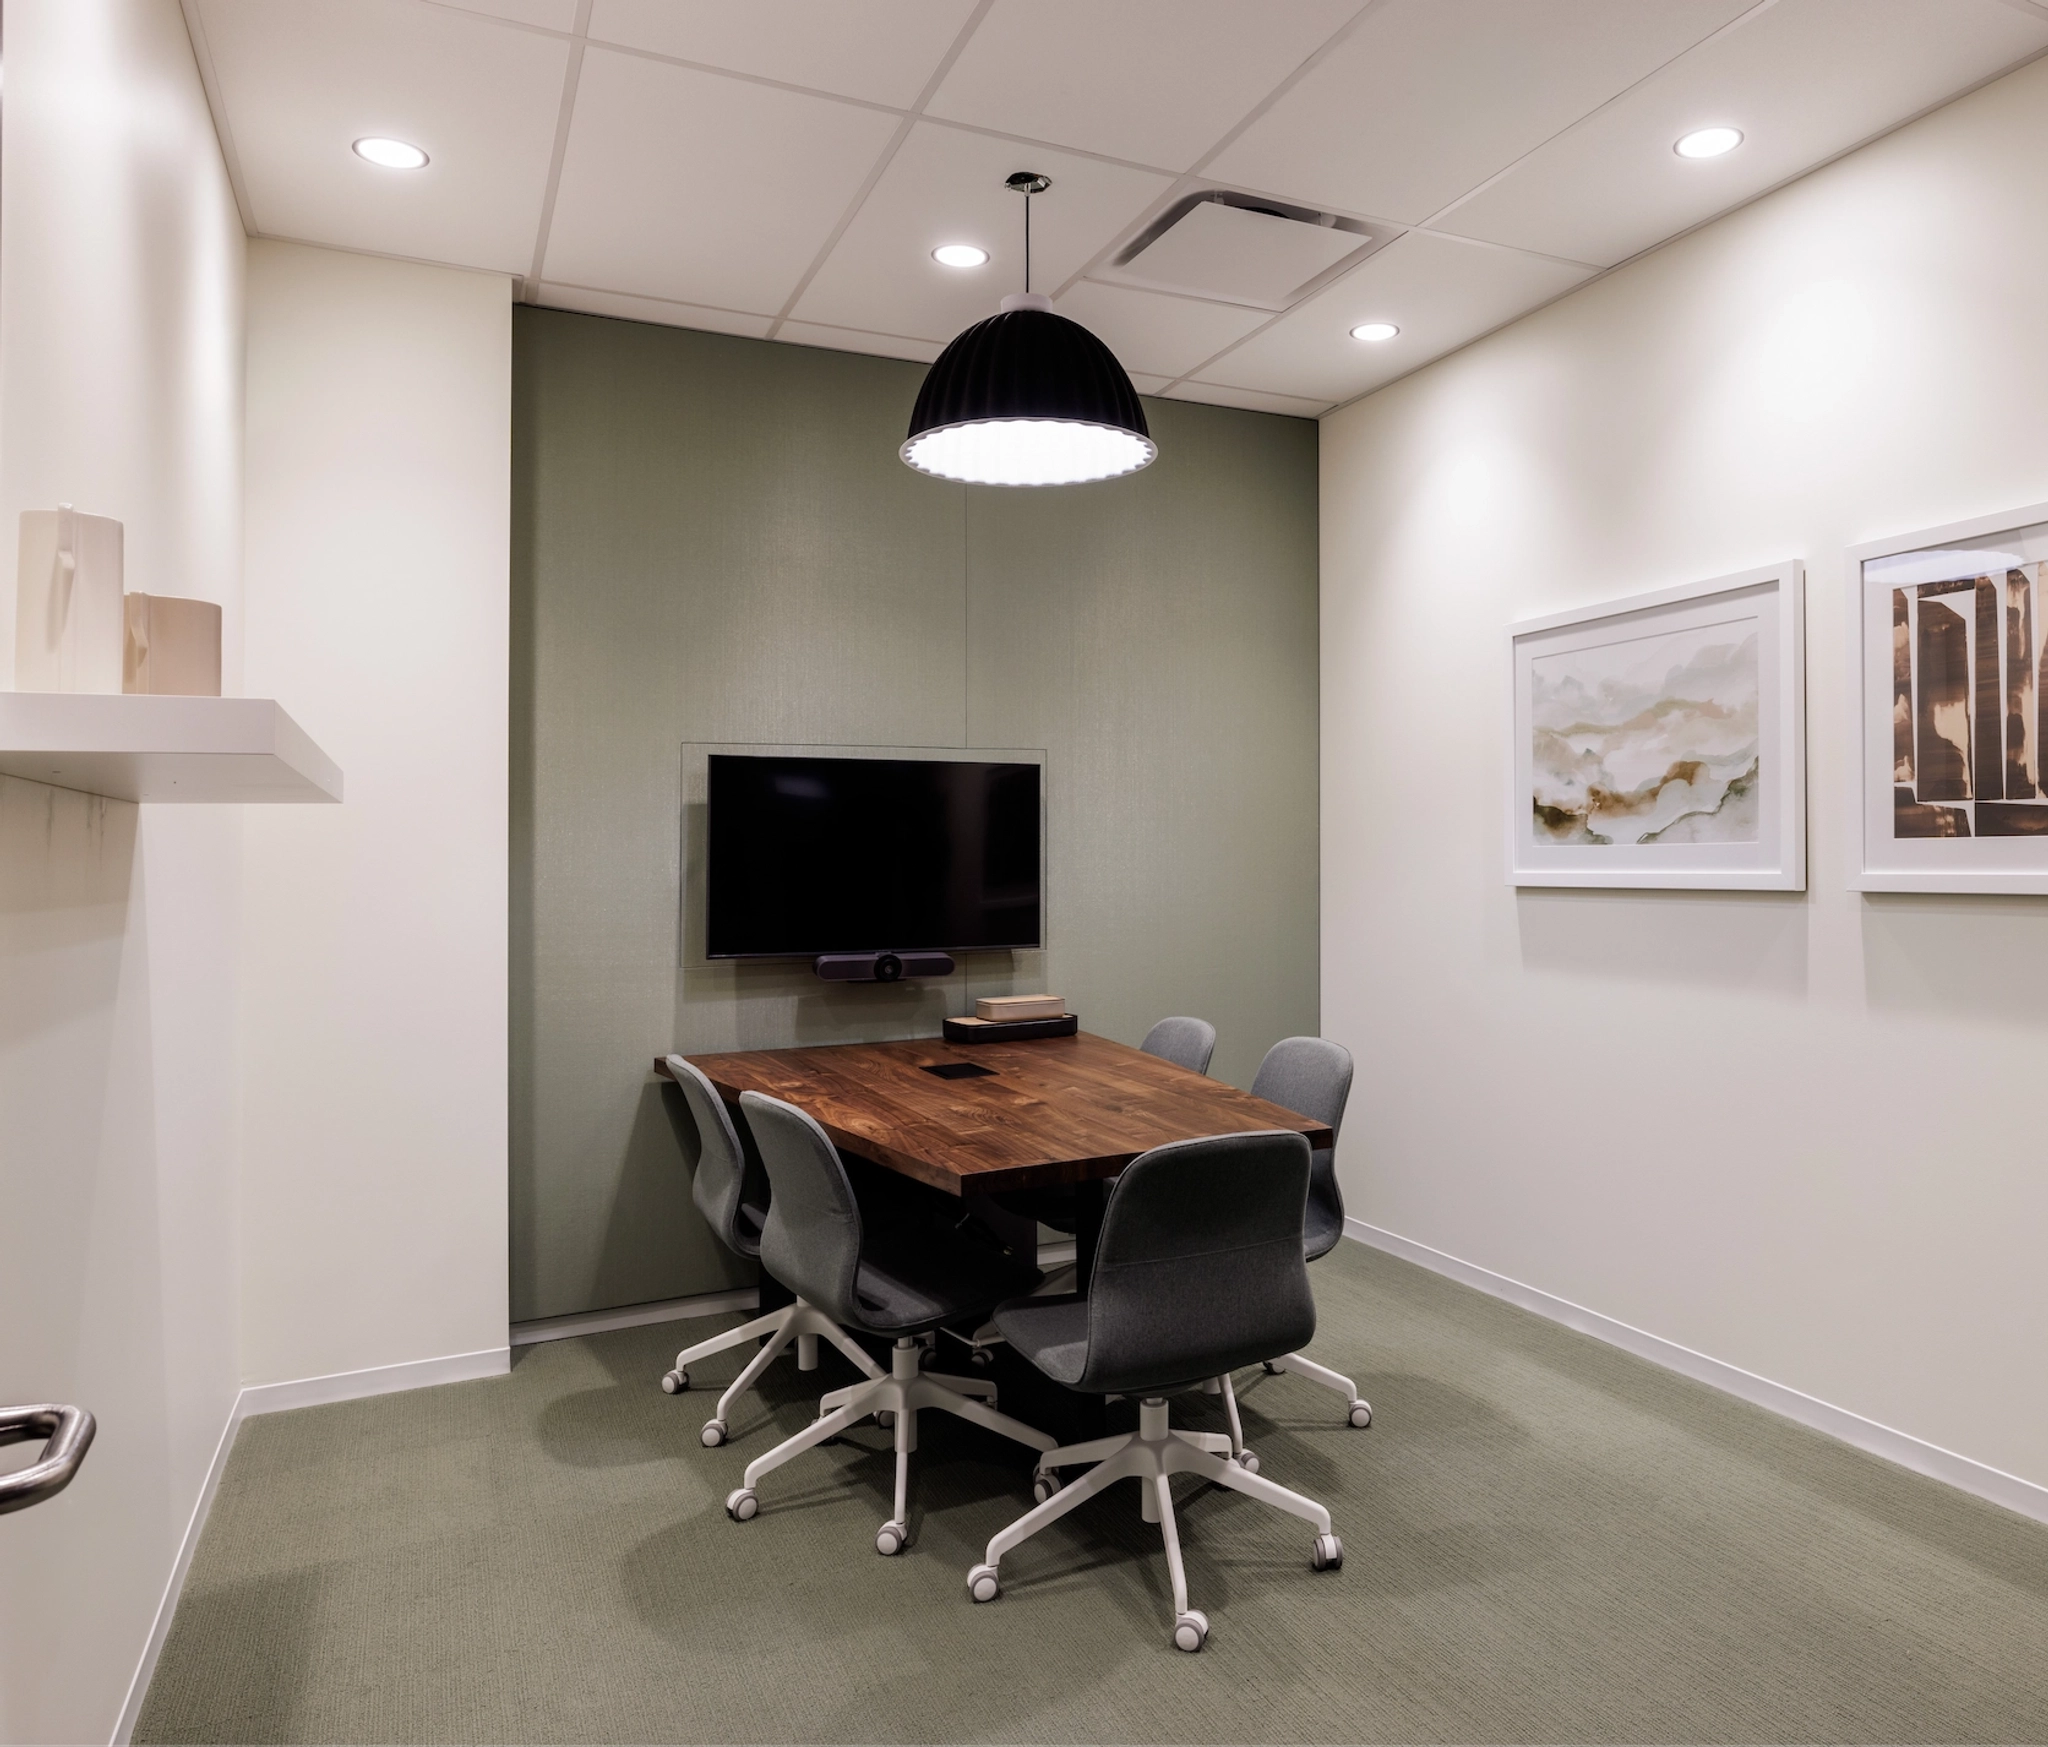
(716, 546)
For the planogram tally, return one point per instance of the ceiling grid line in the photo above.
(1479, 188)
(1428, 224)
(881, 164)
(572, 75)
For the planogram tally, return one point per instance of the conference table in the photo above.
(986, 1118)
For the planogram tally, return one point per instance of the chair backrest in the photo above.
(1188, 1043)
(1199, 1270)
(728, 1185)
(1312, 1076)
(812, 1240)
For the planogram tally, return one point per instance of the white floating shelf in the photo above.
(163, 749)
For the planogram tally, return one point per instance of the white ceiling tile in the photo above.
(653, 309)
(1428, 98)
(707, 190)
(1439, 291)
(946, 186)
(1250, 399)
(1150, 331)
(882, 50)
(301, 83)
(548, 14)
(1803, 81)
(804, 333)
(1149, 384)
(1156, 81)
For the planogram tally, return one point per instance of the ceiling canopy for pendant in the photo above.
(1028, 398)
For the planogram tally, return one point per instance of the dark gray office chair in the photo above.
(1187, 1043)
(1311, 1076)
(732, 1192)
(892, 1281)
(1199, 1269)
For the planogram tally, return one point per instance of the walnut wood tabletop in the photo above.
(1052, 1110)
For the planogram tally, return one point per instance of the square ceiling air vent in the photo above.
(1239, 248)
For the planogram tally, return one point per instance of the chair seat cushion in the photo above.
(915, 1280)
(1051, 1332)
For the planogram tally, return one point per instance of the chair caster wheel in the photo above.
(713, 1433)
(1271, 1369)
(675, 1383)
(981, 1358)
(1191, 1631)
(1361, 1414)
(885, 1417)
(1248, 1460)
(741, 1504)
(1327, 1554)
(890, 1539)
(1044, 1484)
(983, 1584)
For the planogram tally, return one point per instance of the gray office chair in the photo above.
(1312, 1076)
(1187, 1043)
(892, 1281)
(732, 1192)
(1200, 1268)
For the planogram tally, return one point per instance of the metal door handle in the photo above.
(67, 1432)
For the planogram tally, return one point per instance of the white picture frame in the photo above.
(1892, 781)
(1721, 825)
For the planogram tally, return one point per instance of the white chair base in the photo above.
(798, 1322)
(1357, 1413)
(1152, 1455)
(897, 1398)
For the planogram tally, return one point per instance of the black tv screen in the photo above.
(818, 855)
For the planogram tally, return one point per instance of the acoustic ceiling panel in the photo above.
(301, 83)
(1250, 399)
(664, 311)
(684, 185)
(1166, 336)
(1439, 291)
(945, 185)
(1155, 81)
(1427, 98)
(1804, 80)
(882, 50)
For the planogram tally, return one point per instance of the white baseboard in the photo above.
(597, 1322)
(377, 1380)
(131, 1706)
(277, 1398)
(2009, 1490)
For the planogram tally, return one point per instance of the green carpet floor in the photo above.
(1546, 1540)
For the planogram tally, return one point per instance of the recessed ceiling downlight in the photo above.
(391, 154)
(1709, 142)
(959, 255)
(1374, 330)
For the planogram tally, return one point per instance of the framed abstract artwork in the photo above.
(1949, 693)
(1660, 740)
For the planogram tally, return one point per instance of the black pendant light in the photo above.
(1028, 397)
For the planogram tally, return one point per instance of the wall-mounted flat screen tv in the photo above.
(823, 855)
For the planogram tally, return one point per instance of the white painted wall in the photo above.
(120, 391)
(1799, 1133)
(374, 1099)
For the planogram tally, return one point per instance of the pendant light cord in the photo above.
(1027, 244)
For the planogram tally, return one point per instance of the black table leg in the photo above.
(1090, 1198)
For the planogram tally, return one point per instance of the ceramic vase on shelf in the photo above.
(69, 622)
